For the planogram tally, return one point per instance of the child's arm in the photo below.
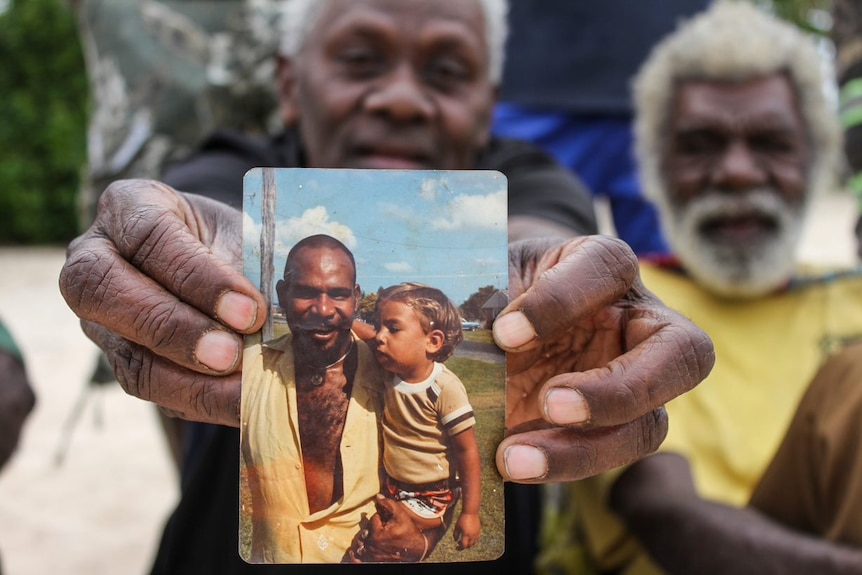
(469, 469)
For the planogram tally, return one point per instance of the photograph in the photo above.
(373, 398)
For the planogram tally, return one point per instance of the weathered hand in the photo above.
(593, 357)
(391, 536)
(157, 282)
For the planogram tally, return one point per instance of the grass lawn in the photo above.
(485, 383)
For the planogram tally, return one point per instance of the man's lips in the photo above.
(379, 162)
(393, 156)
(740, 229)
(320, 334)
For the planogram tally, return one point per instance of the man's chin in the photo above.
(322, 343)
(739, 271)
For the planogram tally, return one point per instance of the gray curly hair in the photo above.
(733, 41)
(298, 17)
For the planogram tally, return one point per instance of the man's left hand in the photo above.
(592, 358)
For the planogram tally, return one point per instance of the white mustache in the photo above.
(757, 202)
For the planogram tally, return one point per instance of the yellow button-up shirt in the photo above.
(283, 529)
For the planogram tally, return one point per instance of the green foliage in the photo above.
(43, 126)
(485, 384)
(807, 14)
(365, 309)
(472, 308)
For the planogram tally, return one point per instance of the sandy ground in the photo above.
(102, 510)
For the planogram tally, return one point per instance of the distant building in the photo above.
(491, 308)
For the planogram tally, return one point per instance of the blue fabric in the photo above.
(599, 150)
(579, 55)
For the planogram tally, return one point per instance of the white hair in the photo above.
(298, 18)
(733, 41)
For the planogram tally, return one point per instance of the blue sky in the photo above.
(442, 228)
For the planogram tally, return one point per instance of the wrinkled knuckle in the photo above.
(618, 256)
(157, 325)
(83, 280)
(194, 274)
(143, 229)
(133, 368)
(587, 457)
(695, 355)
(559, 291)
(634, 395)
(204, 400)
(653, 430)
(704, 355)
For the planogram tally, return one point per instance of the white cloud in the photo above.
(398, 267)
(397, 212)
(250, 230)
(313, 221)
(492, 263)
(430, 188)
(474, 211)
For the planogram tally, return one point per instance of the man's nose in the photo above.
(401, 95)
(739, 168)
(322, 305)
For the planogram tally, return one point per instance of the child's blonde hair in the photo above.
(433, 309)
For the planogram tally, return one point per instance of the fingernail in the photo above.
(566, 406)
(217, 350)
(525, 462)
(237, 310)
(513, 330)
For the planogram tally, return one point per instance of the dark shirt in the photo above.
(202, 534)
(538, 186)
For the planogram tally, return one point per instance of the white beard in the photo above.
(736, 271)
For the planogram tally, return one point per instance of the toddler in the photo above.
(430, 453)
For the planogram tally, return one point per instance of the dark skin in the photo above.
(702, 536)
(737, 136)
(318, 297)
(16, 402)
(391, 84)
(322, 413)
(157, 283)
(734, 136)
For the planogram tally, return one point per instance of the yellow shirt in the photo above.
(283, 529)
(730, 426)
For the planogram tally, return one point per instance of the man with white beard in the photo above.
(734, 139)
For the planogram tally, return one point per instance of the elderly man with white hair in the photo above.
(734, 140)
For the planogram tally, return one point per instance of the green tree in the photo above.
(810, 15)
(365, 309)
(472, 308)
(43, 126)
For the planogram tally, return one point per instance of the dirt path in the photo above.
(102, 510)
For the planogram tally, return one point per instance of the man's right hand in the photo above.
(158, 285)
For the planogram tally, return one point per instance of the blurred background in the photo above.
(93, 481)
